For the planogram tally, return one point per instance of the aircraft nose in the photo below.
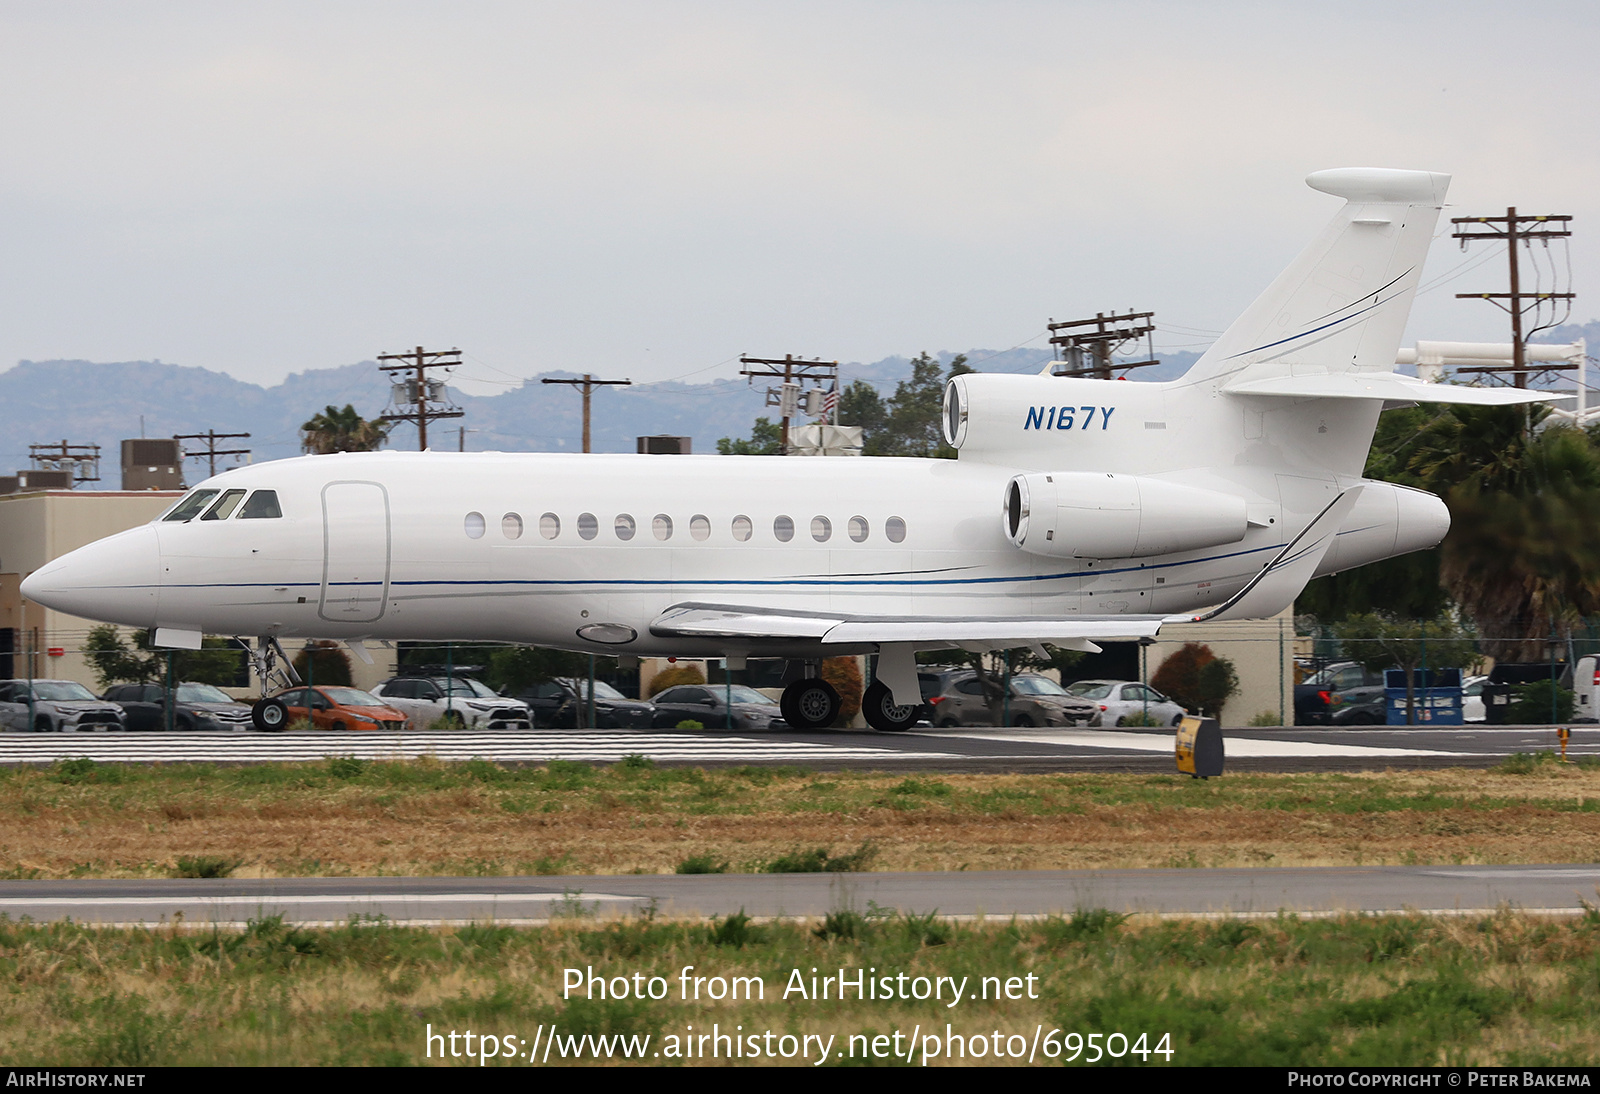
(115, 579)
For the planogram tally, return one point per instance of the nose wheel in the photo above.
(881, 712)
(810, 704)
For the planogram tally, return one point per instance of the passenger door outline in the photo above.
(351, 539)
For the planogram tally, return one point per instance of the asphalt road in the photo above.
(1548, 888)
(972, 749)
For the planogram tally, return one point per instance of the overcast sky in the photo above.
(650, 189)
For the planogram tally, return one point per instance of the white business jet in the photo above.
(1079, 511)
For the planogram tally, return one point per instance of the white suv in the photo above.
(461, 699)
(59, 706)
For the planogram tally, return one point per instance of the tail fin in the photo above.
(1342, 305)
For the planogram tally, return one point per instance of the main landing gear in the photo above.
(810, 703)
(881, 712)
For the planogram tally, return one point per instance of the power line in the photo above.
(796, 371)
(1087, 348)
(588, 383)
(428, 400)
(211, 437)
(1512, 233)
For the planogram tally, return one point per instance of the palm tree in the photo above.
(1521, 558)
(342, 431)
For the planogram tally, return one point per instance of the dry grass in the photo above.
(349, 817)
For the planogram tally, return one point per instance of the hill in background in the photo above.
(85, 402)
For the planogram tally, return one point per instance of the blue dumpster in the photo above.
(1437, 695)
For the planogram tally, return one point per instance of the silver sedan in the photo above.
(1121, 701)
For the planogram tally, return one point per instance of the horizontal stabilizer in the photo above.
(1389, 387)
(778, 625)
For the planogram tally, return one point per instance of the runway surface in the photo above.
(968, 749)
(1447, 889)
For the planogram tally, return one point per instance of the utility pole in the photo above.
(796, 371)
(1087, 350)
(417, 398)
(1512, 234)
(588, 383)
(210, 438)
(82, 460)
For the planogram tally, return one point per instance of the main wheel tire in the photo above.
(883, 714)
(270, 716)
(42, 724)
(810, 704)
(1022, 721)
(1177, 720)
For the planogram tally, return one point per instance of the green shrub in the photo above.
(346, 767)
(819, 860)
(1264, 718)
(702, 864)
(735, 931)
(205, 866)
(689, 723)
(1531, 704)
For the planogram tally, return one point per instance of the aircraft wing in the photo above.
(743, 621)
(1390, 387)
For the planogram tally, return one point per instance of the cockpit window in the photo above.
(225, 505)
(262, 504)
(191, 505)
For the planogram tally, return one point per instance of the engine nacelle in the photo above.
(1088, 514)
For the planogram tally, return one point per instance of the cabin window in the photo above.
(858, 529)
(895, 529)
(225, 505)
(186, 509)
(662, 526)
(700, 527)
(549, 526)
(262, 505)
(588, 526)
(474, 525)
(821, 529)
(511, 526)
(783, 528)
(625, 527)
(742, 528)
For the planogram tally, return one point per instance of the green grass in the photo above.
(1407, 990)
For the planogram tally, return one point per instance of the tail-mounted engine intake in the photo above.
(1087, 514)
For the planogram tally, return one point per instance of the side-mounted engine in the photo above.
(1089, 514)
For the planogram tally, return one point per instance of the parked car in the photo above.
(59, 706)
(1120, 700)
(707, 704)
(1341, 694)
(339, 708)
(468, 702)
(1472, 699)
(562, 703)
(1035, 701)
(196, 706)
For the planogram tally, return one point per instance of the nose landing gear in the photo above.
(270, 715)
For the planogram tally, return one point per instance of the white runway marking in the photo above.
(538, 747)
(1234, 747)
